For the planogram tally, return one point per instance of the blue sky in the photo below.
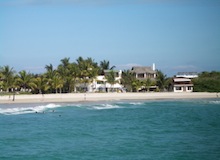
(176, 35)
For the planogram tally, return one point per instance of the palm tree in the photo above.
(65, 62)
(147, 84)
(127, 79)
(88, 70)
(50, 73)
(7, 77)
(57, 82)
(41, 84)
(1, 81)
(74, 76)
(160, 79)
(64, 71)
(136, 85)
(105, 65)
(110, 77)
(168, 84)
(24, 80)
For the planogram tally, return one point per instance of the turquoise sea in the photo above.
(111, 130)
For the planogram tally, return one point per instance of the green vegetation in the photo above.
(68, 77)
(127, 80)
(207, 82)
(62, 79)
(74, 77)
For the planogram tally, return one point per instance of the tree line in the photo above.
(68, 75)
(207, 82)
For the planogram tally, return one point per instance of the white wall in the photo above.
(182, 89)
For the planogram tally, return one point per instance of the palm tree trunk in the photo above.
(60, 90)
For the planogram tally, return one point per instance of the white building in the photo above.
(100, 84)
(182, 82)
(182, 85)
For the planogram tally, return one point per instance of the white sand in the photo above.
(80, 97)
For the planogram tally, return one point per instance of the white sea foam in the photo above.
(26, 110)
(105, 106)
(214, 102)
(136, 103)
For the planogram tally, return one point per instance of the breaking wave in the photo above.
(136, 103)
(26, 110)
(214, 102)
(105, 106)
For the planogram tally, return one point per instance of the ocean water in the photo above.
(112, 130)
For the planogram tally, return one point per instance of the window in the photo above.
(189, 88)
(141, 75)
(178, 88)
(100, 82)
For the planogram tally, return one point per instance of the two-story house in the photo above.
(144, 73)
(182, 82)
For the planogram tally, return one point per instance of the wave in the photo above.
(214, 102)
(26, 110)
(136, 103)
(114, 106)
(105, 106)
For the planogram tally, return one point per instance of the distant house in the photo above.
(143, 73)
(182, 82)
(182, 85)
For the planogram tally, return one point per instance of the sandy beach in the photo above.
(82, 97)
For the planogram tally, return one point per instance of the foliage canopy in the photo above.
(207, 82)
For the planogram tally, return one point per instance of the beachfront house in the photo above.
(144, 73)
(101, 84)
(181, 84)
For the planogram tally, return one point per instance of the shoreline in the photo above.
(93, 97)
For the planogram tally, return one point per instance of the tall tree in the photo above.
(50, 71)
(105, 65)
(169, 84)
(74, 76)
(160, 80)
(110, 77)
(127, 79)
(207, 82)
(147, 83)
(8, 74)
(88, 70)
(64, 71)
(50, 74)
(136, 85)
(24, 80)
(1, 81)
(57, 82)
(41, 84)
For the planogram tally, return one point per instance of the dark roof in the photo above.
(139, 70)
